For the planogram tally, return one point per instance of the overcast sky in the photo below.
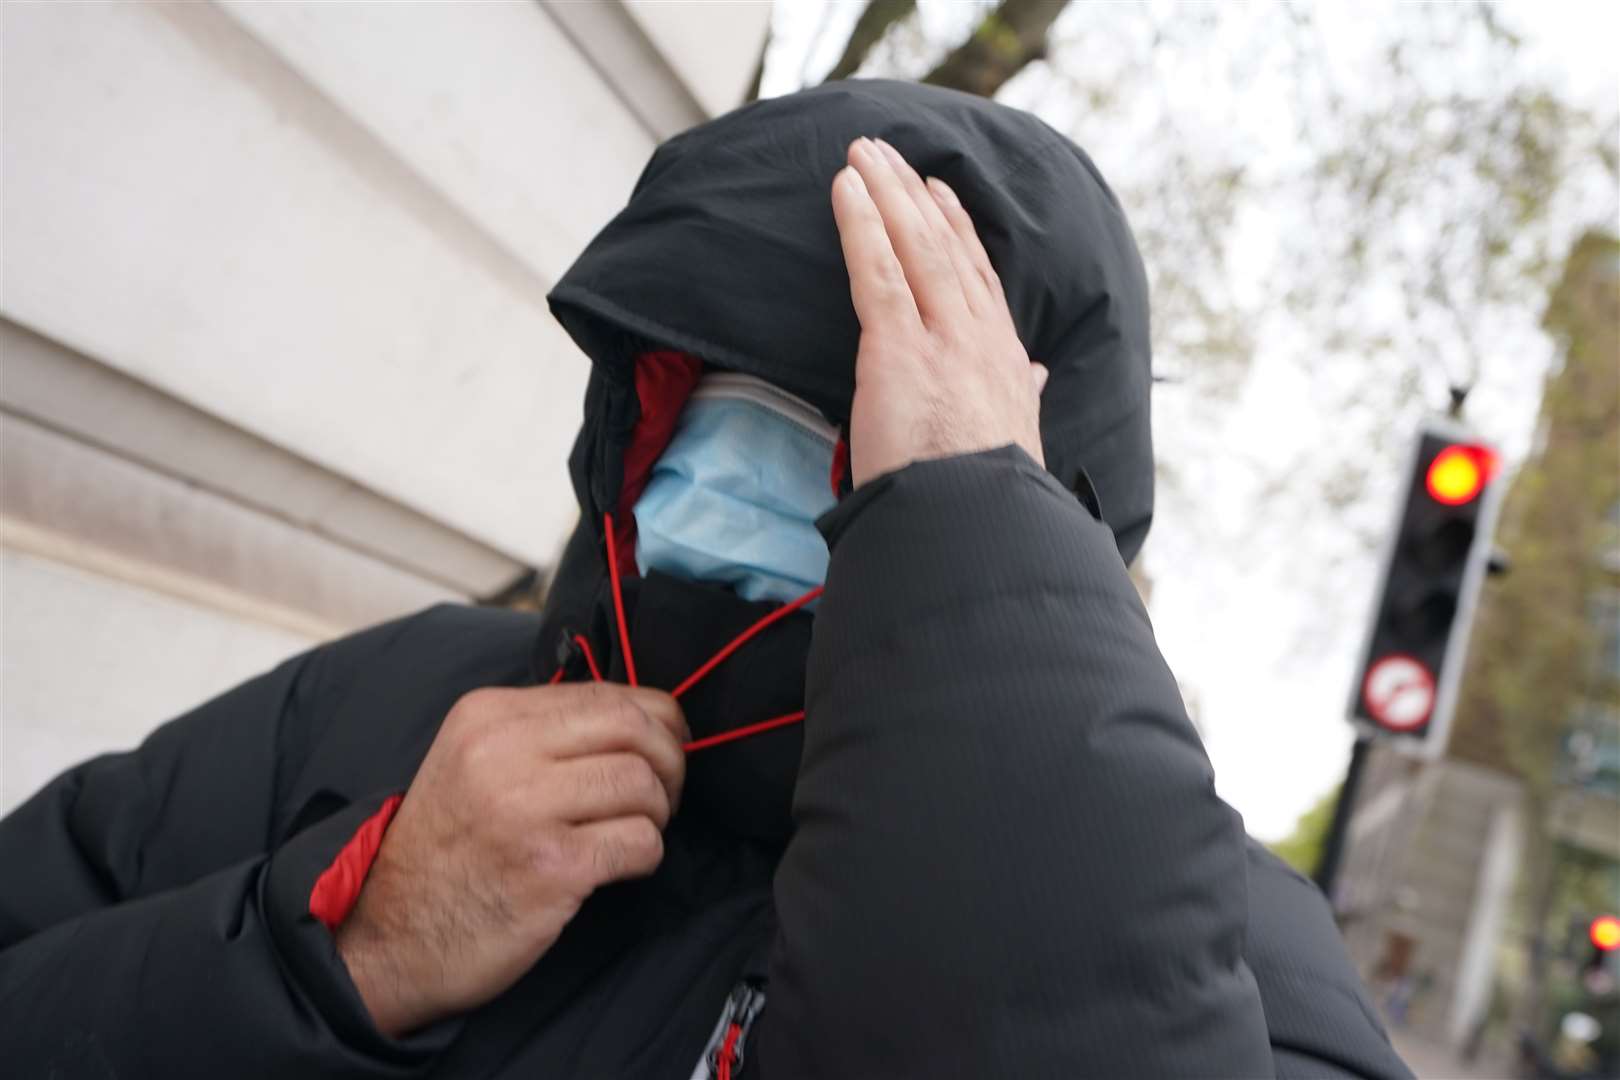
(1231, 621)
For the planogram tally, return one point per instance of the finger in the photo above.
(606, 786)
(877, 284)
(618, 848)
(1039, 373)
(923, 258)
(571, 698)
(661, 707)
(962, 225)
(967, 275)
(586, 734)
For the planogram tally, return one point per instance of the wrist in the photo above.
(382, 944)
(377, 977)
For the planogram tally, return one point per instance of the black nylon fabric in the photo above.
(992, 849)
(743, 787)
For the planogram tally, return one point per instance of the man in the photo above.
(473, 843)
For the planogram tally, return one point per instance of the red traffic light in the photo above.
(1605, 932)
(1459, 473)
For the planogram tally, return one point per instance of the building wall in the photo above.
(277, 358)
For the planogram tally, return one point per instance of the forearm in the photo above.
(228, 976)
(1004, 817)
(195, 796)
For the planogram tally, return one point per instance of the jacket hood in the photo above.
(727, 252)
(727, 257)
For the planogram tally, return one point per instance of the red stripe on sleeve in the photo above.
(338, 887)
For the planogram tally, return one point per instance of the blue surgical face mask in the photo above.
(734, 498)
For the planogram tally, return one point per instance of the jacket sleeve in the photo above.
(155, 904)
(1009, 857)
(1322, 1023)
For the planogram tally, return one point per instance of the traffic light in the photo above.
(1437, 555)
(1597, 974)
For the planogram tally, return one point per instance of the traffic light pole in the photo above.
(1333, 848)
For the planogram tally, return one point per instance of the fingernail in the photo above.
(943, 190)
(885, 154)
(890, 152)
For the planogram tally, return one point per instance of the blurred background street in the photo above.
(276, 364)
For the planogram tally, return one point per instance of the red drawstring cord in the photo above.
(590, 657)
(618, 601)
(728, 1052)
(737, 642)
(709, 665)
(743, 732)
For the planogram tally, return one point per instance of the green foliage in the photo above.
(1535, 666)
(1534, 656)
(1302, 848)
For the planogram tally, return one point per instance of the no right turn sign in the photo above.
(1398, 693)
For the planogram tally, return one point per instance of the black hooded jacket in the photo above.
(992, 848)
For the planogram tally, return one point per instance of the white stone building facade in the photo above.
(275, 359)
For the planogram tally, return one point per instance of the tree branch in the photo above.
(869, 30)
(1008, 39)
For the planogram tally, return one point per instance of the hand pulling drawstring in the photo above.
(707, 666)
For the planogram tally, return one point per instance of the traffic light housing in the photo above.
(1437, 556)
